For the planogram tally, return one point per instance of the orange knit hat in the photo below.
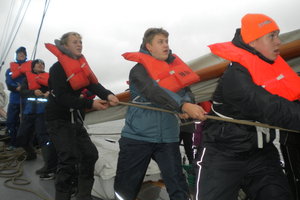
(255, 26)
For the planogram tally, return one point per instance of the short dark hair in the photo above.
(37, 61)
(150, 33)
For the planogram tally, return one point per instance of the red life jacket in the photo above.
(173, 76)
(17, 69)
(277, 78)
(78, 72)
(35, 81)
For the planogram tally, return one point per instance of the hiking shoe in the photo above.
(41, 170)
(44, 170)
(47, 176)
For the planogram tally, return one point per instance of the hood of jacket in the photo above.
(64, 50)
(238, 41)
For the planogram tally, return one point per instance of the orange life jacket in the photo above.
(277, 78)
(17, 69)
(78, 72)
(35, 81)
(173, 76)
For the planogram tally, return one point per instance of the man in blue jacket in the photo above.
(151, 134)
(14, 86)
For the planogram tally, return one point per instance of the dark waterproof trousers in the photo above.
(221, 174)
(32, 125)
(77, 156)
(133, 161)
(291, 156)
(12, 122)
(187, 139)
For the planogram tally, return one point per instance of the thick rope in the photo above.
(244, 122)
(11, 167)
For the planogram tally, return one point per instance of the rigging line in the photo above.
(8, 39)
(237, 121)
(5, 29)
(15, 34)
(42, 21)
(14, 25)
(40, 28)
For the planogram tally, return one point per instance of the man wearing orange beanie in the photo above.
(257, 86)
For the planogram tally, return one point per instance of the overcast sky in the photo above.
(112, 27)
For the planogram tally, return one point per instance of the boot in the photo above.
(50, 159)
(31, 154)
(47, 176)
(85, 186)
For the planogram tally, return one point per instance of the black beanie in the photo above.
(21, 49)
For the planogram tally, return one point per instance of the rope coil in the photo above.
(11, 167)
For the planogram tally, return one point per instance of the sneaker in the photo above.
(41, 170)
(48, 176)
(44, 170)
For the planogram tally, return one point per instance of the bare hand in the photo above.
(194, 111)
(113, 100)
(18, 88)
(183, 115)
(99, 104)
(46, 94)
(38, 93)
